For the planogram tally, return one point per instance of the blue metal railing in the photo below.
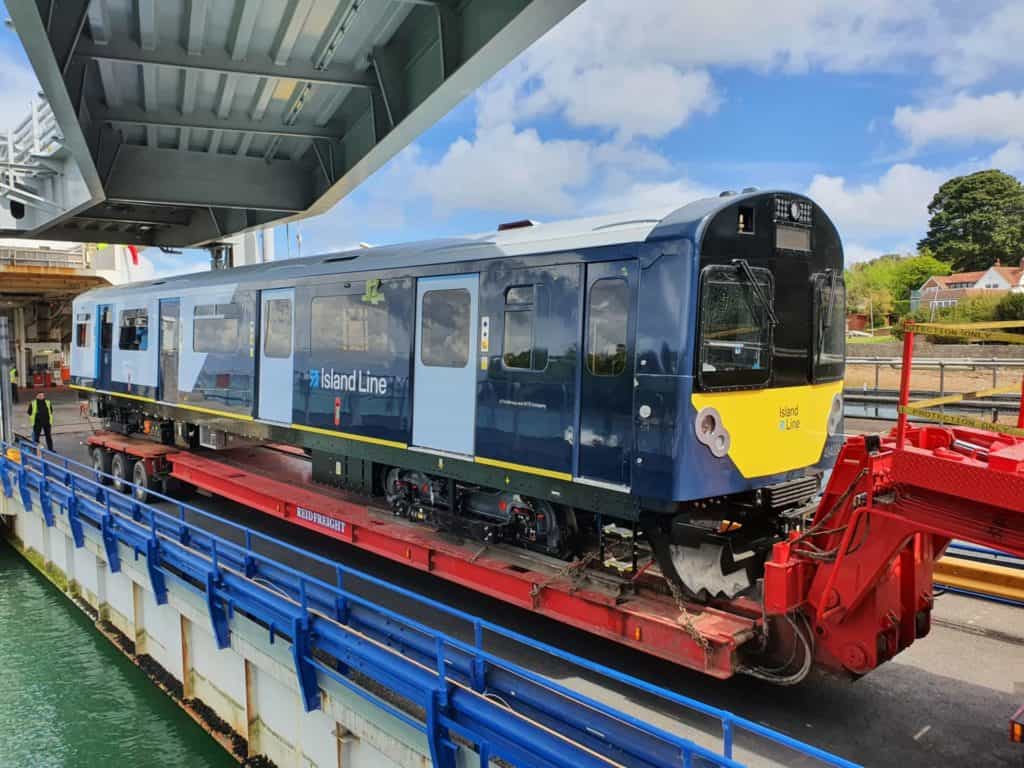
(462, 688)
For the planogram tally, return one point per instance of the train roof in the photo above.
(631, 227)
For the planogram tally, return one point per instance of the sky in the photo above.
(867, 107)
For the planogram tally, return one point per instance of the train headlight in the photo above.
(835, 416)
(711, 432)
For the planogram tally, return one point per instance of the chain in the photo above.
(573, 570)
(687, 617)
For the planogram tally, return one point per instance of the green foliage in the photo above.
(869, 284)
(977, 309)
(1010, 307)
(912, 272)
(977, 219)
(885, 283)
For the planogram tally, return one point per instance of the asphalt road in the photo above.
(944, 701)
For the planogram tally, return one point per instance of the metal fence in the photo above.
(72, 258)
(942, 365)
(880, 403)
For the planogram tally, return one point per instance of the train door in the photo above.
(104, 350)
(606, 391)
(277, 355)
(444, 395)
(170, 335)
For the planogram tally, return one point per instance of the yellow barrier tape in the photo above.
(981, 331)
(1010, 389)
(962, 421)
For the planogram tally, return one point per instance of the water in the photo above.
(68, 697)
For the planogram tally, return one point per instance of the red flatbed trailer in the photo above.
(279, 483)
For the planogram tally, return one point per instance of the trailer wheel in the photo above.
(142, 480)
(120, 469)
(101, 463)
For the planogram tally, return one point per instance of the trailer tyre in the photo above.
(120, 468)
(101, 463)
(142, 480)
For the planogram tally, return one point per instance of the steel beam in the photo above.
(147, 24)
(337, 75)
(99, 23)
(206, 121)
(295, 19)
(148, 175)
(196, 26)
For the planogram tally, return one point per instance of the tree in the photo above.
(869, 285)
(1010, 307)
(912, 272)
(977, 219)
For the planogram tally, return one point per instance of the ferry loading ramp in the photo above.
(186, 121)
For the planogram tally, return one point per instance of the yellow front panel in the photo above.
(773, 430)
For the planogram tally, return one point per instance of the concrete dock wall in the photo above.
(251, 685)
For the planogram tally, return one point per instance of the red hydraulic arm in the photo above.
(861, 572)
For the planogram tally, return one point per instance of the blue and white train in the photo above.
(667, 370)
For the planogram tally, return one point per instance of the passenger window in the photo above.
(445, 329)
(608, 316)
(134, 335)
(523, 304)
(215, 328)
(277, 328)
(83, 330)
(350, 324)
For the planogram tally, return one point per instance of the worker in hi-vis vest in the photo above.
(40, 416)
(14, 384)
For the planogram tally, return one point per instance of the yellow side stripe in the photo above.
(350, 436)
(212, 411)
(125, 395)
(187, 407)
(344, 435)
(523, 468)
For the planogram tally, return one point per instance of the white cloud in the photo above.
(992, 45)
(966, 119)
(855, 253)
(648, 195)
(895, 204)
(502, 169)
(1009, 158)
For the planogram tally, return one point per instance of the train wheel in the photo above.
(101, 463)
(141, 479)
(119, 468)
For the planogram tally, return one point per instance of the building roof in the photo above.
(946, 294)
(959, 277)
(1012, 275)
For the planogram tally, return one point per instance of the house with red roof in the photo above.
(941, 291)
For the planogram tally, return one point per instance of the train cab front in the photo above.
(764, 402)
